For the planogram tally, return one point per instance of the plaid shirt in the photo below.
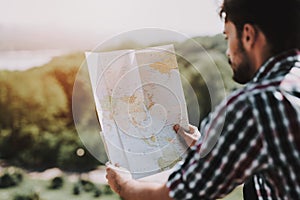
(254, 133)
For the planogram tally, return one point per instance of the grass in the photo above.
(66, 192)
(42, 188)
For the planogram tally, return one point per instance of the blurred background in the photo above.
(42, 45)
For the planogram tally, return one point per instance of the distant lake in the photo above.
(25, 59)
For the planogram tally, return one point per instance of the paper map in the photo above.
(139, 97)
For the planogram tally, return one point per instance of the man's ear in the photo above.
(249, 36)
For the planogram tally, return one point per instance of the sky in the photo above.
(81, 24)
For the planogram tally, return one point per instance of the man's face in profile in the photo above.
(237, 56)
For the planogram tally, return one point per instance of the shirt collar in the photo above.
(291, 55)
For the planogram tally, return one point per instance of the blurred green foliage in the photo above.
(36, 117)
(36, 122)
(27, 196)
(87, 186)
(203, 62)
(56, 183)
(33, 189)
(11, 177)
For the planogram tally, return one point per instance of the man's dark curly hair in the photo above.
(279, 20)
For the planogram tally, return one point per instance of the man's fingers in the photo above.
(192, 129)
(176, 127)
(182, 133)
(186, 136)
(190, 136)
(110, 172)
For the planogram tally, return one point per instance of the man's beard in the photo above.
(242, 72)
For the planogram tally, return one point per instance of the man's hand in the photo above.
(191, 136)
(130, 189)
(116, 179)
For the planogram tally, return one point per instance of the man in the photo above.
(258, 127)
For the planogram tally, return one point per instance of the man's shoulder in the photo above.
(251, 92)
